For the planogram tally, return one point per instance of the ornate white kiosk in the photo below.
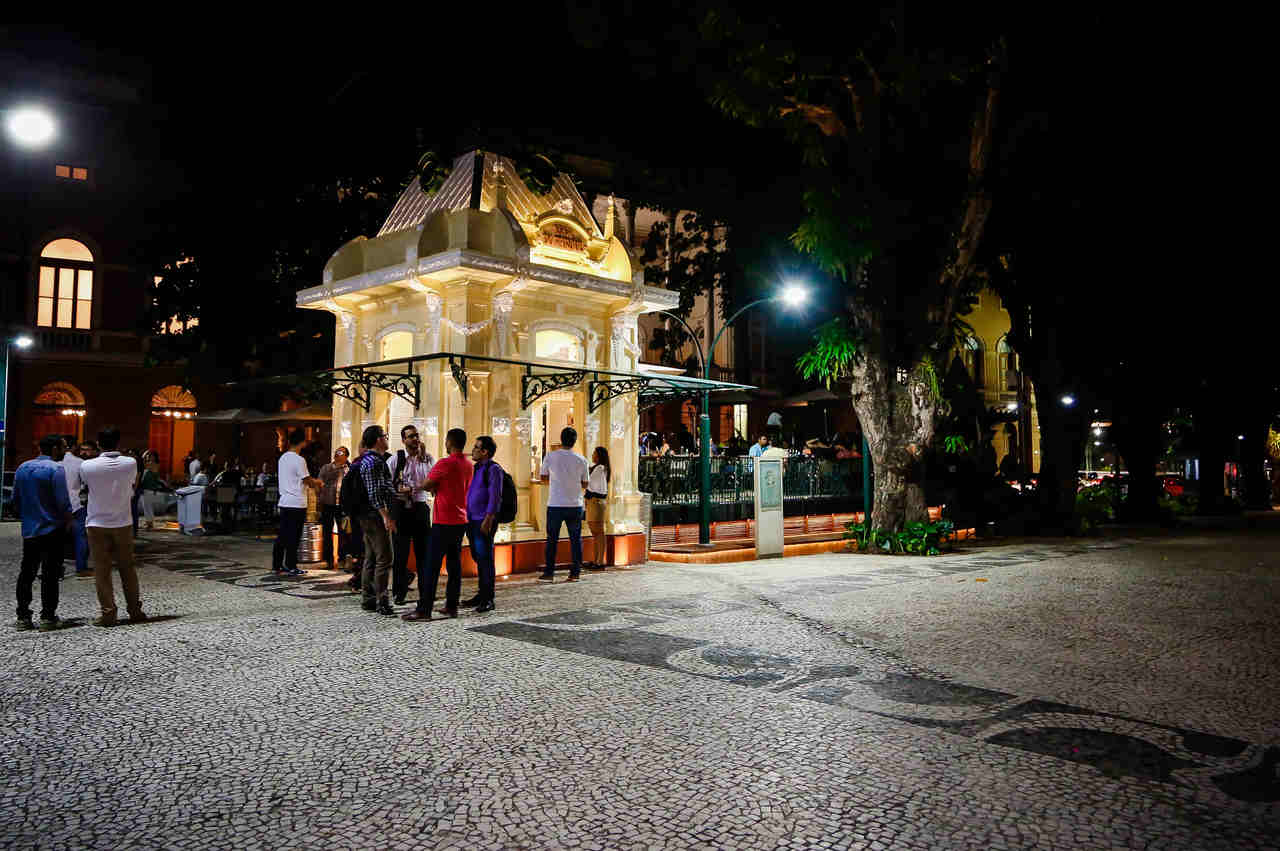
(488, 307)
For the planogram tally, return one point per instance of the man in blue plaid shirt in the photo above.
(376, 522)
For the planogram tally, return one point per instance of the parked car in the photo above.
(1174, 486)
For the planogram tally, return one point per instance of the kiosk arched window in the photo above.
(64, 291)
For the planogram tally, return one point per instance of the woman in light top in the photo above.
(598, 477)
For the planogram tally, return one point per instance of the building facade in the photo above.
(75, 276)
(993, 366)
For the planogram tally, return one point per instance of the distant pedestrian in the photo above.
(758, 448)
(80, 541)
(40, 498)
(448, 480)
(376, 522)
(331, 475)
(193, 466)
(484, 499)
(293, 477)
(567, 473)
(597, 500)
(110, 478)
(409, 468)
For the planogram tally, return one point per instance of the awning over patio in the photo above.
(398, 377)
(228, 415)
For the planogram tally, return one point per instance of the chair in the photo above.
(225, 499)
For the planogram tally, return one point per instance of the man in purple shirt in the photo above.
(484, 498)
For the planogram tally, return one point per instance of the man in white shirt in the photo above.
(71, 465)
(193, 467)
(566, 472)
(409, 470)
(109, 523)
(293, 476)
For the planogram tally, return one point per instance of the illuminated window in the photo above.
(62, 170)
(64, 292)
(1008, 364)
(740, 420)
(558, 345)
(971, 352)
(79, 173)
(71, 172)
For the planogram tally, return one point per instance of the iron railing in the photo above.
(673, 480)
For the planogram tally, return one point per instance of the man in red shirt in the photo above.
(448, 480)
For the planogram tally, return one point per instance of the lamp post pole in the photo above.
(22, 341)
(707, 359)
(704, 522)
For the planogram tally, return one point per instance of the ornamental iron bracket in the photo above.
(405, 386)
(534, 387)
(459, 370)
(343, 384)
(599, 392)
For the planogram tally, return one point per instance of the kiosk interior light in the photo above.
(1012, 406)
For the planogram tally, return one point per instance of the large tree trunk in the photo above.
(1138, 440)
(1257, 490)
(898, 420)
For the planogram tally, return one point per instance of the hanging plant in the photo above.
(431, 172)
(538, 173)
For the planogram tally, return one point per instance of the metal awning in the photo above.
(358, 381)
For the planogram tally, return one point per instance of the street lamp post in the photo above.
(22, 341)
(792, 295)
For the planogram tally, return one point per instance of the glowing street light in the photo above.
(793, 295)
(23, 341)
(1068, 400)
(31, 126)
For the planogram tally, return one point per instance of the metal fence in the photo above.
(674, 482)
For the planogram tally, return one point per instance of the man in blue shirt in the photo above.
(40, 498)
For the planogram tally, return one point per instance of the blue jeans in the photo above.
(572, 518)
(446, 543)
(80, 539)
(482, 553)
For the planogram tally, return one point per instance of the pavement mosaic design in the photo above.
(1219, 767)
(993, 699)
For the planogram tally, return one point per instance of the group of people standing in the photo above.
(382, 504)
(58, 494)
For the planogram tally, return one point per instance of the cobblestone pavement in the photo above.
(1116, 693)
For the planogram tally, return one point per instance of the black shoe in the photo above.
(369, 606)
(547, 577)
(398, 599)
(384, 608)
(573, 577)
(472, 602)
(591, 565)
(24, 624)
(486, 606)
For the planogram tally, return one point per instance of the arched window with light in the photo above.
(1008, 364)
(971, 352)
(64, 295)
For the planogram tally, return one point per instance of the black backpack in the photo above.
(507, 510)
(354, 499)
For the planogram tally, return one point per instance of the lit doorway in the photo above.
(173, 429)
(59, 409)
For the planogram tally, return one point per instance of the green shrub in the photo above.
(924, 539)
(1095, 505)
